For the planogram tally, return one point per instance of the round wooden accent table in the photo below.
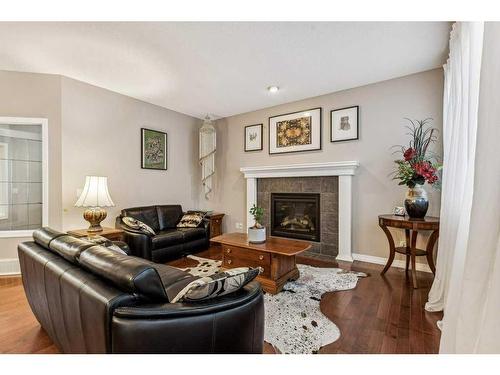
(411, 227)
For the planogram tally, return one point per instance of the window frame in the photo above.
(44, 123)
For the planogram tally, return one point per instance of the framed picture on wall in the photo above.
(153, 149)
(253, 137)
(344, 124)
(295, 132)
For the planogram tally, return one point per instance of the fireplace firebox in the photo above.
(296, 215)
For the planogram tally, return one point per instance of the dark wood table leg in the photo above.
(408, 251)
(413, 264)
(430, 250)
(392, 250)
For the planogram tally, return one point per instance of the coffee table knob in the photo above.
(261, 257)
(228, 251)
(229, 261)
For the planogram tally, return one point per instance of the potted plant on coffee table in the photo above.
(257, 233)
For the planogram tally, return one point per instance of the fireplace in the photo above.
(296, 215)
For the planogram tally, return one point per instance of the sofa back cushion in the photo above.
(45, 235)
(131, 274)
(147, 215)
(69, 247)
(169, 215)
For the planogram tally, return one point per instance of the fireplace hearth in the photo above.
(296, 215)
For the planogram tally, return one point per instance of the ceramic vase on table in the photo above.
(257, 235)
(416, 202)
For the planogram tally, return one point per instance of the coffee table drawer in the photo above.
(260, 257)
(232, 262)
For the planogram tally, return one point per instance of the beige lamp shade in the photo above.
(95, 193)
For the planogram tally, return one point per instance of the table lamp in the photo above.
(95, 195)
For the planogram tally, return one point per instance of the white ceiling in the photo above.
(224, 68)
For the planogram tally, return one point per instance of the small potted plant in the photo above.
(417, 167)
(257, 233)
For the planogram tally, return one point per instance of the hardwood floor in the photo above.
(381, 315)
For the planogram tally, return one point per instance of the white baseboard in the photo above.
(397, 263)
(9, 267)
(344, 258)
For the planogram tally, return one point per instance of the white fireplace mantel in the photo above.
(344, 169)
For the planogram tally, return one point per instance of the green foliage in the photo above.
(419, 165)
(407, 176)
(257, 213)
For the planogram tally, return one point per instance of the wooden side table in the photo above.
(112, 234)
(411, 227)
(215, 223)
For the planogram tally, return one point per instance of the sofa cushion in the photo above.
(44, 235)
(130, 274)
(169, 215)
(191, 234)
(69, 247)
(147, 215)
(166, 238)
(118, 246)
(191, 220)
(198, 288)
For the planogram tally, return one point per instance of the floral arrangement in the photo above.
(417, 166)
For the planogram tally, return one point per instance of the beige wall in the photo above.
(96, 131)
(101, 136)
(382, 109)
(35, 95)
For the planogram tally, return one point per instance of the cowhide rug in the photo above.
(294, 322)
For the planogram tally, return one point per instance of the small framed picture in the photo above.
(344, 124)
(154, 149)
(294, 132)
(253, 137)
(399, 211)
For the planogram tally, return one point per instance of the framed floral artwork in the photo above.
(253, 137)
(344, 124)
(295, 132)
(154, 149)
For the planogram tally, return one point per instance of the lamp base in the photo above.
(94, 216)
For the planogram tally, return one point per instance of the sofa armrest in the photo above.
(176, 310)
(140, 243)
(229, 324)
(205, 224)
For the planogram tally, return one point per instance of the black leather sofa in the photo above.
(169, 242)
(90, 299)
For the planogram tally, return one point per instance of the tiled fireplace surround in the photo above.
(310, 177)
(326, 186)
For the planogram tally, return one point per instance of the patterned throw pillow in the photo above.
(216, 285)
(137, 225)
(190, 220)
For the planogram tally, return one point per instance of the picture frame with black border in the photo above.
(162, 164)
(259, 137)
(337, 124)
(317, 131)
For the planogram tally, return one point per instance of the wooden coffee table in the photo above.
(276, 257)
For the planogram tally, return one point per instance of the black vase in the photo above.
(416, 202)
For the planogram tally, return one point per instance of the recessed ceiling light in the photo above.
(273, 89)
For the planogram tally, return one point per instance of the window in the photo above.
(21, 176)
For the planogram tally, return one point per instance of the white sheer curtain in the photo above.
(460, 106)
(467, 283)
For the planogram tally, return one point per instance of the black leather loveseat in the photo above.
(90, 299)
(169, 242)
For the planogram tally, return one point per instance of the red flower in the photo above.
(409, 154)
(426, 170)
